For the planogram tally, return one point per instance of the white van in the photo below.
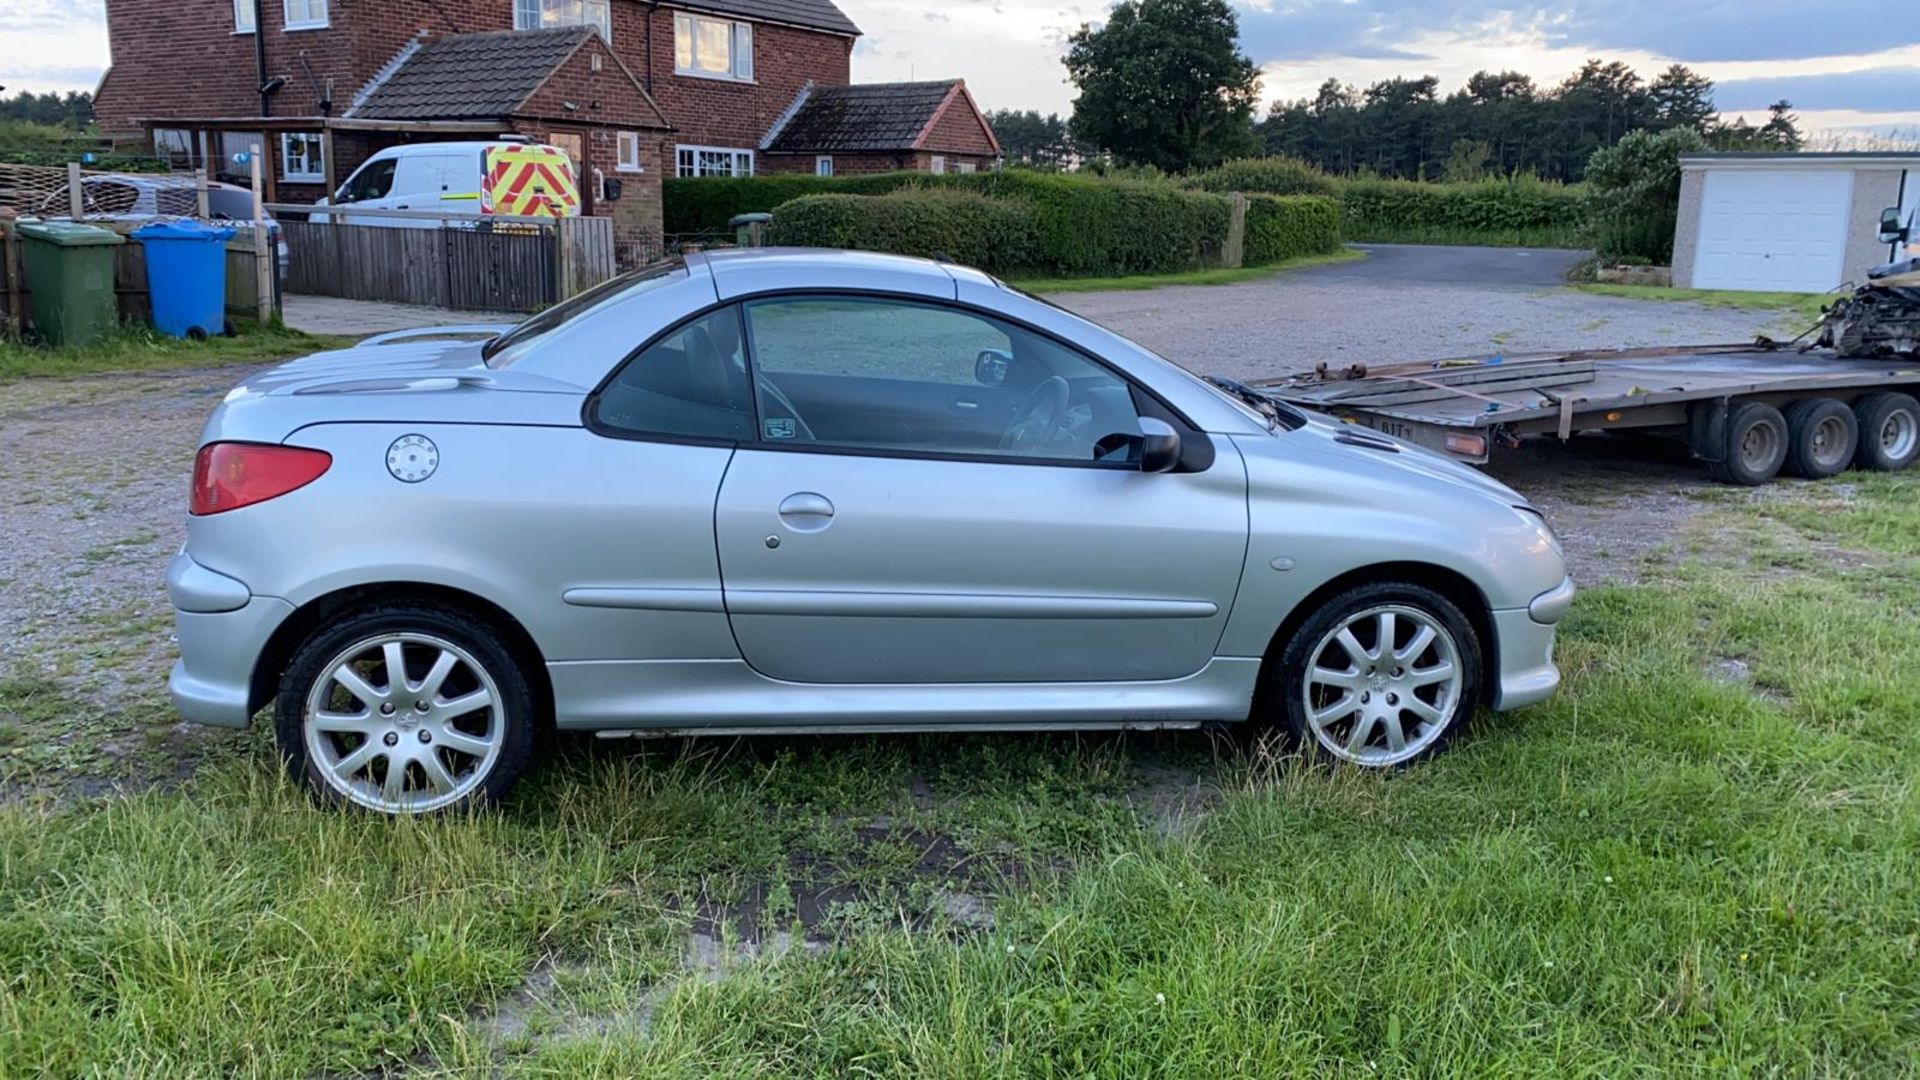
(475, 179)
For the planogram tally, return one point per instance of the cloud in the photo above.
(1872, 90)
(20, 16)
(1695, 32)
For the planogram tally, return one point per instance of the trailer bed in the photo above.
(1465, 407)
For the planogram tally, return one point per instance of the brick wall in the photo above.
(714, 112)
(607, 102)
(959, 130)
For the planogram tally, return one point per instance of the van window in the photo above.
(373, 181)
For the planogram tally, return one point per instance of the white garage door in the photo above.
(1771, 230)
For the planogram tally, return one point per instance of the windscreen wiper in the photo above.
(1273, 411)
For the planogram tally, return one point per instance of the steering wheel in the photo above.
(766, 387)
(1039, 418)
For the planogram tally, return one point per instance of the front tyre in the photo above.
(405, 709)
(1381, 675)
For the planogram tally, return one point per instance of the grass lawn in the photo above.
(144, 349)
(1188, 277)
(1799, 305)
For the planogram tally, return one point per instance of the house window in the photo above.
(712, 48)
(300, 160)
(175, 145)
(823, 165)
(243, 16)
(305, 14)
(964, 166)
(630, 152)
(939, 164)
(542, 14)
(712, 161)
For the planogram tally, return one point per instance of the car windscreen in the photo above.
(515, 343)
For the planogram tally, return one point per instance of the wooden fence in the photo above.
(451, 261)
(129, 279)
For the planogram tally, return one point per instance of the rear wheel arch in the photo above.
(318, 612)
(1452, 584)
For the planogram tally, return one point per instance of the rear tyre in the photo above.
(1889, 432)
(1822, 435)
(1756, 445)
(405, 709)
(1380, 676)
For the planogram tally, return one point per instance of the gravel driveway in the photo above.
(1403, 302)
(93, 476)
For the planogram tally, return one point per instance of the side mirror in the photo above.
(1159, 445)
(990, 367)
(1891, 231)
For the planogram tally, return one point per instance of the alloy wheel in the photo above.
(404, 723)
(1383, 685)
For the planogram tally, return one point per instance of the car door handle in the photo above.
(806, 511)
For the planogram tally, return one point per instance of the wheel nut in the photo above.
(386, 708)
(1365, 696)
(1393, 699)
(420, 706)
(426, 736)
(392, 739)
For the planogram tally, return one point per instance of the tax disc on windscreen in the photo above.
(412, 458)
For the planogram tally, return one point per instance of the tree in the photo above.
(1782, 129)
(1633, 193)
(1027, 138)
(1164, 83)
(75, 110)
(1680, 98)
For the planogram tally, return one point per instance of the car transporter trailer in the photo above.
(1747, 410)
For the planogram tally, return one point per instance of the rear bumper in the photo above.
(213, 679)
(1525, 672)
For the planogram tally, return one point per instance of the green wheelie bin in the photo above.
(70, 277)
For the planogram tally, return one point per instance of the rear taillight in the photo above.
(230, 475)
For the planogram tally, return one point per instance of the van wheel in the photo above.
(1382, 675)
(405, 709)
(1823, 435)
(1889, 432)
(1756, 445)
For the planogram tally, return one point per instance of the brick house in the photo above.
(635, 89)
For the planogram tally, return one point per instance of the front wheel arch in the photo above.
(297, 627)
(1452, 584)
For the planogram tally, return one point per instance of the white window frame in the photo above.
(964, 167)
(628, 158)
(938, 165)
(243, 17)
(547, 14)
(314, 166)
(739, 47)
(823, 165)
(306, 19)
(686, 160)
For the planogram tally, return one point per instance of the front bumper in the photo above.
(222, 632)
(1525, 670)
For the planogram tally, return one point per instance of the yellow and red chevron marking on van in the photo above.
(531, 181)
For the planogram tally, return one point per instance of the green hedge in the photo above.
(959, 226)
(706, 204)
(1281, 227)
(1268, 175)
(1520, 210)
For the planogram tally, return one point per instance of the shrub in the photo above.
(1289, 226)
(706, 204)
(959, 226)
(1269, 175)
(1633, 194)
(1520, 209)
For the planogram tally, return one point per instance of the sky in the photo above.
(1845, 64)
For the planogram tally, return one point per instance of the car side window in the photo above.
(372, 182)
(692, 383)
(884, 374)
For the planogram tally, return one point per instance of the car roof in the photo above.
(740, 271)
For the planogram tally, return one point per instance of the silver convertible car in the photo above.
(784, 491)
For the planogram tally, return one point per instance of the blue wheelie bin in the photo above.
(186, 276)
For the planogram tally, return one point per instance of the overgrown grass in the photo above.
(1660, 871)
(144, 349)
(1190, 277)
(1800, 305)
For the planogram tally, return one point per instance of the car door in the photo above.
(897, 520)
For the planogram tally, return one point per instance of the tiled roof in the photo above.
(819, 14)
(864, 116)
(471, 75)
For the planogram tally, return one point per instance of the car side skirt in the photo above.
(729, 697)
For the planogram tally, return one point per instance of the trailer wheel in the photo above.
(1824, 435)
(1889, 432)
(1756, 445)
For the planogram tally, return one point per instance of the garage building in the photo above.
(1787, 222)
